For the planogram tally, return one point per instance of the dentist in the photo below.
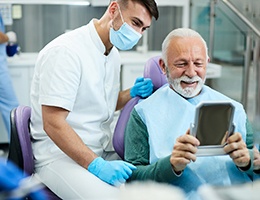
(74, 94)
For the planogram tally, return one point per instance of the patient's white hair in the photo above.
(150, 190)
(183, 33)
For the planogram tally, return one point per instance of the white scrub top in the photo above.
(72, 72)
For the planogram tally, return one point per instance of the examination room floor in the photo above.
(230, 83)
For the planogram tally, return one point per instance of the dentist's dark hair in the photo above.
(150, 5)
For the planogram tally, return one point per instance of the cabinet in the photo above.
(21, 69)
(133, 66)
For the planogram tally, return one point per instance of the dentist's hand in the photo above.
(12, 184)
(143, 87)
(10, 176)
(112, 172)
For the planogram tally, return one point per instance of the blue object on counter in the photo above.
(11, 49)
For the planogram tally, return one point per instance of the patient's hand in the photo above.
(256, 159)
(237, 150)
(184, 151)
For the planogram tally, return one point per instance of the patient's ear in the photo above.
(162, 65)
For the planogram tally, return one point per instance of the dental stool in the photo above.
(20, 148)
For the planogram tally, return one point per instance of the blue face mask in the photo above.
(125, 37)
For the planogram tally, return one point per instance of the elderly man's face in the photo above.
(186, 70)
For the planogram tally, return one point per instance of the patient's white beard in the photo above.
(187, 92)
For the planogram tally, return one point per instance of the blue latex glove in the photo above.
(10, 176)
(143, 87)
(112, 172)
(10, 179)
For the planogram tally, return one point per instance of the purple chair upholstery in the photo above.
(151, 70)
(118, 138)
(20, 148)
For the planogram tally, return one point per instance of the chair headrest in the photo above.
(153, 71)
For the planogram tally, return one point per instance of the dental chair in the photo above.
(153, 71)
(20, 148)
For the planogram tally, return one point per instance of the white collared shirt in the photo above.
(72, 72)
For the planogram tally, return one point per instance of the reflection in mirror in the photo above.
(214, 123)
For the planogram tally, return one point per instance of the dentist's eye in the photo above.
(136, 23)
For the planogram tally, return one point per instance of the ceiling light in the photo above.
(49, 2)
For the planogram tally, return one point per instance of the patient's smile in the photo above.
(189, 84)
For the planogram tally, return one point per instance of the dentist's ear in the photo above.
(162, 65)
(112, 8)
